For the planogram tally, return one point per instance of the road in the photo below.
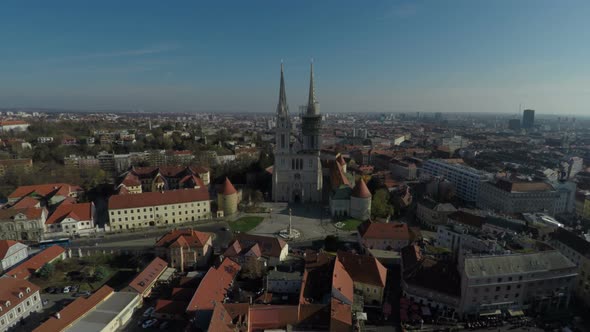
(143, 239)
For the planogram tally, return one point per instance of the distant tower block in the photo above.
(528, 119)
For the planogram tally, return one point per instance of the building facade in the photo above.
(297, 172)
(18, 299)
(12, 253)
(467, 180)
(539, 282)
(156, 209)
(518, 197)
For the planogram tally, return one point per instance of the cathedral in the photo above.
(297, 172)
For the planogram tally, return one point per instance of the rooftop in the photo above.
(27, 268)
(158, 198)
(149, 275)
(514, 264)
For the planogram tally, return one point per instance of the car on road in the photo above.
(149, 323)
(148, 312)
(66, 289)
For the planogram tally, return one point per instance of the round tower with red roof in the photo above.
(360, 201)
(227, 198)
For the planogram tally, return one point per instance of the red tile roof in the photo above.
(12, 122)
(158, 198)
(363, 269)
(27, 268)
(342, 282)
(75, 311)
(269, 246)
(26, 202)
(146, 278)
(78, 211)
(170, 307)
(4, 246)
(185, 238)
(377, 230)
(228, 188)
(360, 190)
(10, 289)
(340, 316)
(214, 286)
(62, 189)
(265, 317)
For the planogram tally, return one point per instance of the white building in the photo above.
(71, 219)
(11, 253)
(283, 282)
(539, 281)
(13, 125)
(18, 299)
(297, 172)
(467, 180)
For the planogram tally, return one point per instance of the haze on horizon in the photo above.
(378, 56)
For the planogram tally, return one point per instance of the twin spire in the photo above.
(312, 104)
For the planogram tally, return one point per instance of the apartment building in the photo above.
(18, 299)
(577, 250)
(539, 282)
(467, 180)
(158, 208)
(508, 196)
(71, 219)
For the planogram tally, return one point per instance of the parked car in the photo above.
(164, 325)
(66, 289)
(50, 290)
(45, 302)
(148, 312)
(74, 288)
(149, 323)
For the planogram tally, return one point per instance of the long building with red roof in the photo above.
(159, 208)
(35, 263)
(214, 287)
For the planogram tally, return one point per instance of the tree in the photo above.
(257, 197)
(331, 243)
(46, 271)
(380, 207)
(100, 272)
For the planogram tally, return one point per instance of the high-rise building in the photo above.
(297, 173)
(528, 119)
(514, 124)
(467, 180)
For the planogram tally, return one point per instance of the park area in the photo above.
(348, 224)
(88, 273)
(245, 224)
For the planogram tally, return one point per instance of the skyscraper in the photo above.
(528, 119)
(297, 172)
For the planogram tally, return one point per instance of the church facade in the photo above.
(297, 172)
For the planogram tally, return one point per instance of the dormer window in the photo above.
(20, 295)
(7, 304)
(28, 290)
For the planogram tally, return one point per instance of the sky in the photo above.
(369, 56)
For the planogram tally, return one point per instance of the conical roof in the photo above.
(360, 190)
(282, 108)
(228, 188)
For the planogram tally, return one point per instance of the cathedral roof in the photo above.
(360, 189)
(282, 107)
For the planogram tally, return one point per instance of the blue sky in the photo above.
(379, 56)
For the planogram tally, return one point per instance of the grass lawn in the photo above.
(245, 224)
(350, 224)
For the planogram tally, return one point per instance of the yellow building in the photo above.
(158, 208)
(369, 276)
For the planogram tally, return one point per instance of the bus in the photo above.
(63, 242)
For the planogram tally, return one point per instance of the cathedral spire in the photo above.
(282, 108)
(312, 104)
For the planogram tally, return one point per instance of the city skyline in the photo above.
(392, 56)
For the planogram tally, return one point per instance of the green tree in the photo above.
(380, 207)
(46, 271)
(257, 197)
(100, 272)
